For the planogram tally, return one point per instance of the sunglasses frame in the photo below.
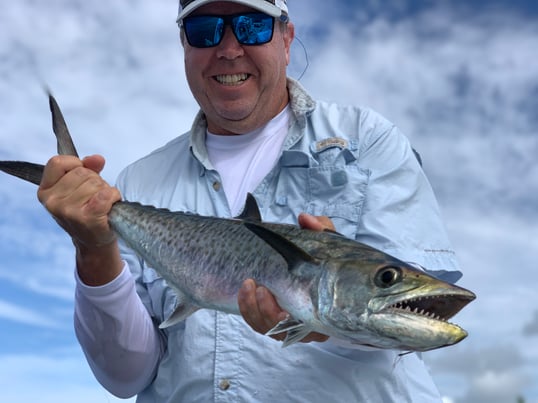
(228, 20)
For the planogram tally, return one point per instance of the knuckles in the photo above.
(56, 161)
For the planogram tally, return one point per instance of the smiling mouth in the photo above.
(232, 79)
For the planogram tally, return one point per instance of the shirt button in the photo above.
(224, 384)
(282, 200)
(216, 186)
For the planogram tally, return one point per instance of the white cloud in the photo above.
(62, 377)
(498, 373)
(460, 82)
(495, 387)
(27, 316)
(41, 256)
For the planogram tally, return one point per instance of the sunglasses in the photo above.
(206, 31)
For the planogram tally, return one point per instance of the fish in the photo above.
(327, 283)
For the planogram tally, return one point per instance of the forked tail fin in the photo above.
(63, 138)
(33, 172)
(25, 170)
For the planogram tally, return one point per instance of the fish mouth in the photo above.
(434, 307)
(420, 322)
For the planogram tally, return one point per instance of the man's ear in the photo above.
(288, 35)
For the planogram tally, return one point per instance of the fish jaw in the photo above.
(413, 332)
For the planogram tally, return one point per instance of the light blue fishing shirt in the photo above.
(347, 163)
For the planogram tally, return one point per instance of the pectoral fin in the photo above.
(296, 330)
(293, 255)
(181, 312)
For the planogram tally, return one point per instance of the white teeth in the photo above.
(231, 79)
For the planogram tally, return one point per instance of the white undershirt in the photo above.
(244, 160)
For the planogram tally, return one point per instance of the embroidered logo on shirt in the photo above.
(331, 142)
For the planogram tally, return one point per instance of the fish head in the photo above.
(390, 304)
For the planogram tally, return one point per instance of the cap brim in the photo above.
(261, 5)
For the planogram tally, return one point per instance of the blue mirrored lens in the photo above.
(253, 29)
(205, 31)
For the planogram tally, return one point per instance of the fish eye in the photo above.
(388, 276)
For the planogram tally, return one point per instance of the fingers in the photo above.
(316, 223)
(261, 311)
(259, 308)
(78, 198)
(94, 162)
(56, 168)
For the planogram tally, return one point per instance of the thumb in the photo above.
(94, 162)
(316, 223)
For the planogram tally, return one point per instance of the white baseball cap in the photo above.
(274, 8)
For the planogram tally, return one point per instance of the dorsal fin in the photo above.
(293, 255)
(250, 212)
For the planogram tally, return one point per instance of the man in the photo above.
(257, 132)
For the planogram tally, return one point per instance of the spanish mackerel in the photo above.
(326, 282)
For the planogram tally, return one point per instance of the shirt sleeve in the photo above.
(121, 343)
(401, 215)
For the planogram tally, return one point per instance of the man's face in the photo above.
(239, 88)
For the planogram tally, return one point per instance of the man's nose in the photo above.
(229, 47)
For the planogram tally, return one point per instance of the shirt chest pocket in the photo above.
(326, 184)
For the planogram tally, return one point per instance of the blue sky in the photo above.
(459, 78)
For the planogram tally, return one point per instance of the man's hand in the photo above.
(259, 307)
(79, 200)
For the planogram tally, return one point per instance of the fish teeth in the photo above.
(406, 306)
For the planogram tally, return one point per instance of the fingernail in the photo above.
(248, 286)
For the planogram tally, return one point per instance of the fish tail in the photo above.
(64, 141)
(34, 172)
(25, 170)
